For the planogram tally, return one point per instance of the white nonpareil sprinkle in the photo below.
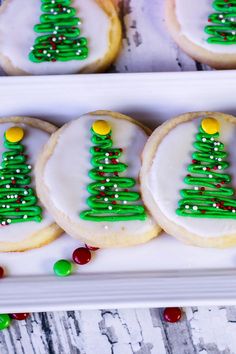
(219, 167)
(204, 168)
(196, 188)
(108, 180)
(106, 199)
(9, 221)
(214, 205)
(210, 176)
(211, 157)
(102, 188)
(186, 206)
(25, 217)
(100, 168)
(115, 185)
(116, 196)
(8, 186)
(195, 207)
(110, 207)
(124, 202)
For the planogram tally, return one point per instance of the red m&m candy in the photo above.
(172, 314)
(19, 316)
(81, 255)
(1, 272)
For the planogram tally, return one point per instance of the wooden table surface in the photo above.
(146, 47)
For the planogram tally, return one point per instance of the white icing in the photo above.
(169, 167)
(17, 35)
(66, 172)
(33, 141)
(193, 17)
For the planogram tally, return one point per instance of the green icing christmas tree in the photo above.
(223, 23)
(110, 198)
(60, 39)
(209, 196)
(18, 202)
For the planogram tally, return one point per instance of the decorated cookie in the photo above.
(88, 178)
(205, 29)
(58, 36)
(188, 178)
(24, 223)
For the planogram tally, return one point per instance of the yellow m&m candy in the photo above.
(210, 125)
(14, 134)
(101, 127)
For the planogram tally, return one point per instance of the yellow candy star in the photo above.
(101, 127)
(210, 125)
(14, 134)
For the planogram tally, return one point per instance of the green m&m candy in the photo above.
(62, 268)
(5, 321)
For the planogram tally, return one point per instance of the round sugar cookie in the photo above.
(58, 37)
(188, 178)
(24, 222)
(205, 30)
(88, 178)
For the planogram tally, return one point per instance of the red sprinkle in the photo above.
(19, 316)
(91, 248)
(218, 186)
(17, 209)
(81, 255)
(194, 161)
(1, 272)
(202, 188)
(172, 314)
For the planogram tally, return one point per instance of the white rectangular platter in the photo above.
(163, 272)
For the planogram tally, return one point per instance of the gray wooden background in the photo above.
(146, 47)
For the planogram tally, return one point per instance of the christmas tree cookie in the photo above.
(58, 36)
(205, 29)
(88, 177)
(24, 224)
(188, 178)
